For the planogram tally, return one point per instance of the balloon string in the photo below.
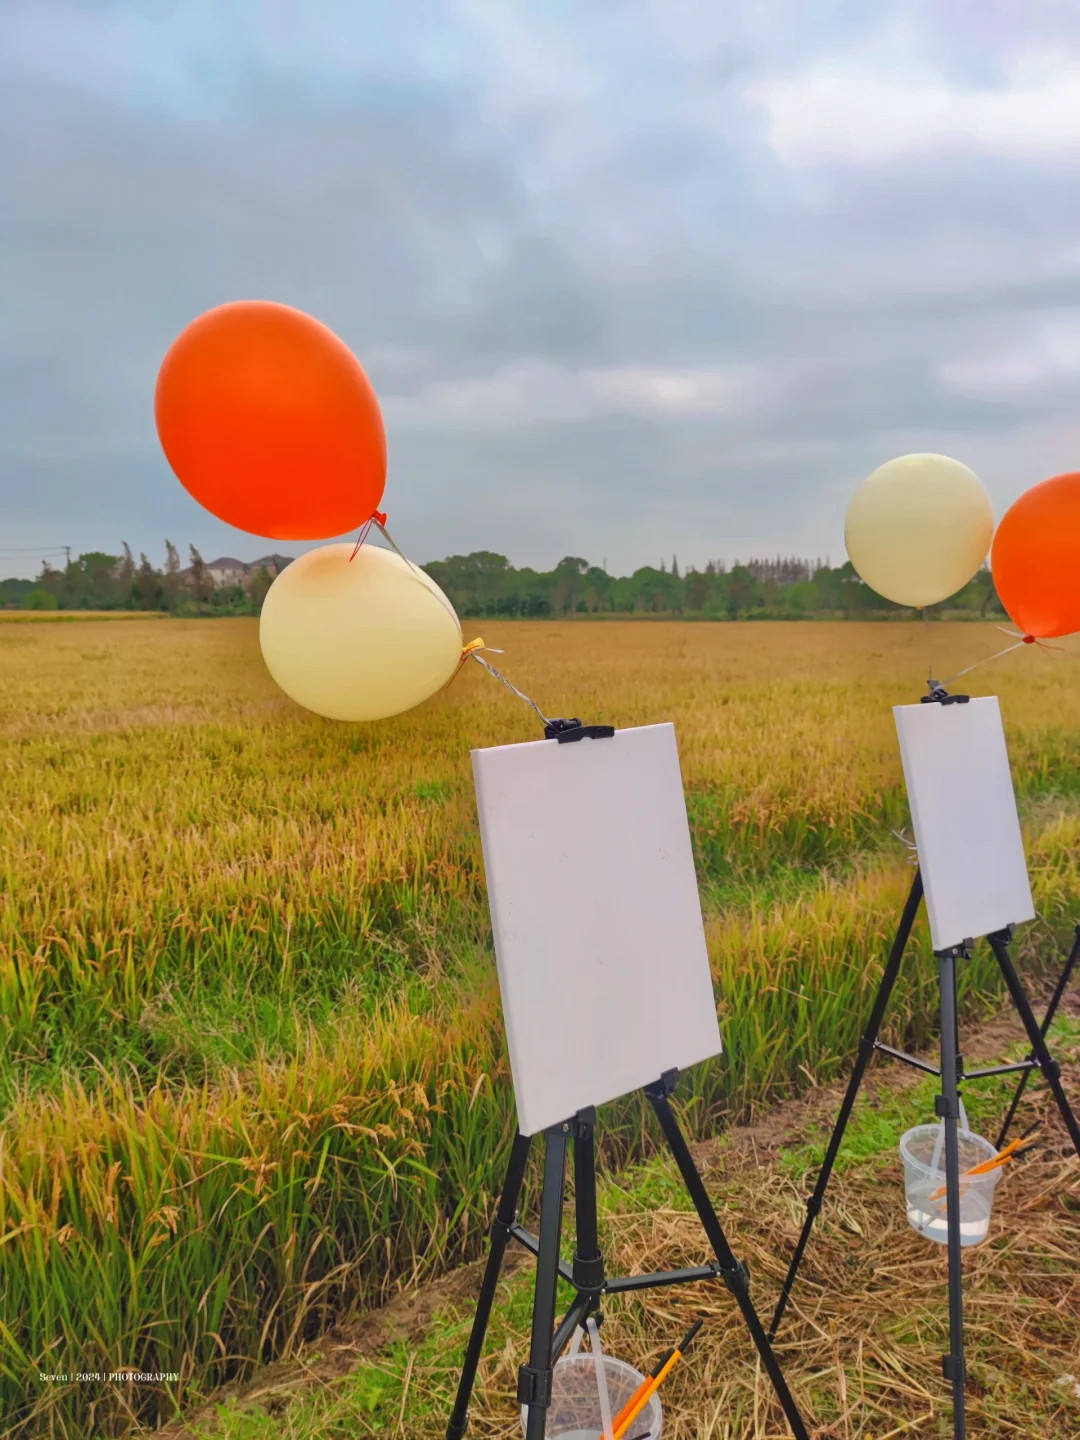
(1020, 640)
(472, 652)
(984, 661)
(1032, 640)
(379, 520)
(381, 523)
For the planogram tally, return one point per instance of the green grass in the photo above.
(879, 1119)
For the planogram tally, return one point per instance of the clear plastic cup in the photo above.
(574, 1412)
(923, 1156)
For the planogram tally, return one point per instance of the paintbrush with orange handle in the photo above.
(1011, 1151)
(645, 1392)
(1001, 1158)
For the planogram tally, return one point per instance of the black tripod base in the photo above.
(947, 1105)
(586, 1274)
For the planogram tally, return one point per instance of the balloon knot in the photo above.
(1029, 640)
(378, 518)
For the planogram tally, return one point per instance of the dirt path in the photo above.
(839, 1296)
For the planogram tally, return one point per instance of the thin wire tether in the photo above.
(1020, 640)
(985, 661)
(472, 655)
(380, 525)
(470, 652)
(378, 521)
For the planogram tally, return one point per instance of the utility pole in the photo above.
(67, 552)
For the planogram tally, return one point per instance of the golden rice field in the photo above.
(53, 617)
(252, 1066)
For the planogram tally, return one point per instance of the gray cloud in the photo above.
(616, 300)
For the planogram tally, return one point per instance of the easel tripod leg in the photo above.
(735, 1275)
(500, 1235)
(948, 1107)
(1048, 1020)
(866, 1050)
(1048, 1065)
(534, 1379)
(588, 1261)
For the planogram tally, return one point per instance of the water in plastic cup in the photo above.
(919, 1148)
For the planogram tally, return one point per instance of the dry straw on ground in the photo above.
(862, 1343)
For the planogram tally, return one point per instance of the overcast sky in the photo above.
(629, 276)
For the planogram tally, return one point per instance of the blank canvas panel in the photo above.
(963, 809)
(594, 905)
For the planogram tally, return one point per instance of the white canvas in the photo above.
(963, 810)
(594, 906)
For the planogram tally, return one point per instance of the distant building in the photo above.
(227, 570)
(274, 564)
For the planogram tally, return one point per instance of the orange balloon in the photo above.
(270, 422)
(1036, 558)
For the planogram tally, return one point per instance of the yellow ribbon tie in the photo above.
(470, 649)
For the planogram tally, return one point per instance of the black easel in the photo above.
(947, 1104)
(586, 1274)
(1048, 1020)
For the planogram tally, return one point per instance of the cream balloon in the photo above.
(358, 639)
(918, 528)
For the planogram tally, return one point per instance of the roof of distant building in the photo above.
(229, 565)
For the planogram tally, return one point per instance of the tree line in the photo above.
(96, 581)
(486, 584)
